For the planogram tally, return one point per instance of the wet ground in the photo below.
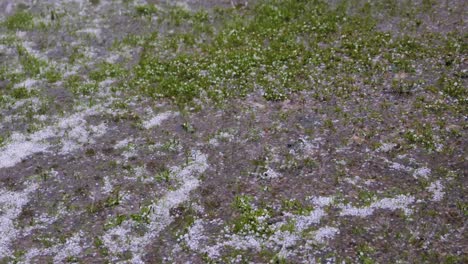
(207, 131)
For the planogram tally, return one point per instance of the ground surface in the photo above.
(208, 131)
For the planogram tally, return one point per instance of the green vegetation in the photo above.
(21, 20)
(146, 10)
(311, 117)
(250, 219)
(278, 48)
(32, 66)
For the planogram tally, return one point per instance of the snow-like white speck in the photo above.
(282, 241)
(398, 166)
(400, 202)
(22, 146)
(436, 188)
(386, 147)
(92, 31)
(322, 201)
(72, 248)
(324, 233)
(119, 239)
(107, 188)
(194, 236)
(123, 143)
(11, 204)
(28, 84)
(304, 221)
(223, 136)
(158, 119)
(422, 172)
(270, 174)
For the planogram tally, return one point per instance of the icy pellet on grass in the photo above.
(305, 221)
(123, 143)
(386, 147)
(11, 204)
(321, 201)
(324, 233)
(158, 119)
(223, 137)
(21, 147)
(270, 174)
(282, 241)
(28, 84)
(194, 237)
(436, 188)
(398, 166)
(120, 239)
(400, 202)
(72, 248)
(422, 172)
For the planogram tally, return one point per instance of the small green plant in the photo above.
(114, 199)
(366, 197)
(163, 176)
(142, 217)
(188, 127)
(171, 145)
(118, 220)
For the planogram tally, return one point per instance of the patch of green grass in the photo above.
(106, 70)
(146, 10)
(117, 221)
(296, 207)
(423, 135)
(21, 20)
(32, 66)
(250, 219)
(78, 86)
(275, 47)
(453, 87)
(114, 199)
(52, 75)
(163, 176)
(142, 216)
(20, 93)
